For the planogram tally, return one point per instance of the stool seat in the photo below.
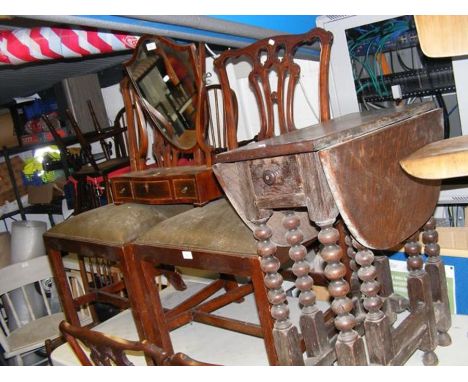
(215, 227)
(114, 224)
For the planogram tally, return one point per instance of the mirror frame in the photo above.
(156, 117)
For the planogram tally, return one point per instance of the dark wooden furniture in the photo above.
(106, 350)
(185, 184)
(167, 91)
(103, 234)
(99, 238)
(213, 237)
(87, 173)
(347, 167)
(99, 171)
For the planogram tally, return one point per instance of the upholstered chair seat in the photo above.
(214, 227)
(114, 224)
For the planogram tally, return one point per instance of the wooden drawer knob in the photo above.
(269, 176)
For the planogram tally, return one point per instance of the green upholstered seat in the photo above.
(114, 224)
(214, 227)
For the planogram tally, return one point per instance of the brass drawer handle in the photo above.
(184, 190)
(123, 190)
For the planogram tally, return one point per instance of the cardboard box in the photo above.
(7, 130)
(453, 237)
(6, 188)
(45, 193)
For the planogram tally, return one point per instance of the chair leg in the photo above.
(263, 309)
(19, 360)
(63, 288)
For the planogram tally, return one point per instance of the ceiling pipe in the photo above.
(141, 29)
(213, 25)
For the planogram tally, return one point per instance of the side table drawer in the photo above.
(275, 176)
(160, 189)
(122, 190)
(185, 188)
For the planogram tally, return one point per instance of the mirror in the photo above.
(165, 76)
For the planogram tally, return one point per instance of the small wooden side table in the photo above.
(348, 167)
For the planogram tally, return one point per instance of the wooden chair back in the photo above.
(17, 277)
(215, 118)
(85, 145)
(275, 57)
(120, 123)
(106, 149)
(107, 350)
(65, 156)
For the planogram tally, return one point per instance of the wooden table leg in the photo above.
(436, 271)
(349, 345)
(377, 326)
(420, 293)
(285, 334)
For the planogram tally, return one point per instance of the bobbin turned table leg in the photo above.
(355, 285)
(436, 271)
(420, 297)
(285, 334)
(349, 345)
(311, 322)
(377, 326)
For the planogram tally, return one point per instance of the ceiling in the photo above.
(27, 79)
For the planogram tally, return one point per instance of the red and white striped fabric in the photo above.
(27, 45)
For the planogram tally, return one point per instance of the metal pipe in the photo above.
(139, 29)
(212, 24)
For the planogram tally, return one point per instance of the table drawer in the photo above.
(185, 188)
(275, 176)
(122, 190)
(160, 189)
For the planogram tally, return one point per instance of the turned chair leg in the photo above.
(436, 271)
(420, 297)
(349, 345)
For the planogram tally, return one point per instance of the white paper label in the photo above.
(151, 46)
(187, 255)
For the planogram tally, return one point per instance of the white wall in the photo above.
(305, 99)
